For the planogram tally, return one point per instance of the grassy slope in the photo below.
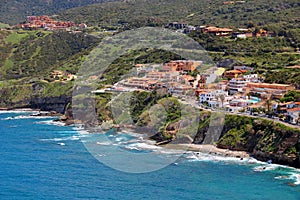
(13, 12)
(197, 12)
(36, 53)
(29, 56)
(3, 25)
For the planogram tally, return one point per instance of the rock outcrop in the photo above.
(263, 139)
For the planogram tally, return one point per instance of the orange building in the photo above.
(233, 73)
(217, 31)
(277, 90)
(181, 65)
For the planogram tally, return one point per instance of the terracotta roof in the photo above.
(286, 103)
(294, 67)
(234, 71)
(188, 77)
(294, 110)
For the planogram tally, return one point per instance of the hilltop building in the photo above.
(181, 66)
(267, 89)
(47, 23)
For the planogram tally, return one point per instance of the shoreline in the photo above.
(203, 148)
(20, 110)
(210, 149)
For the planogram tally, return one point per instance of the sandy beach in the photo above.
(211, 149)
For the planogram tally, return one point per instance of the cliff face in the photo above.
(264, 139)
(14, 99)
(57, 104)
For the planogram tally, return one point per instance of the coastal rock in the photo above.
(57, 104)
(263, 139)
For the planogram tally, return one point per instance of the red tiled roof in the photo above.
(294, 110)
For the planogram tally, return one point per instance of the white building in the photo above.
(251, 78)
(213, 95)
(237, 85)
(293, 115)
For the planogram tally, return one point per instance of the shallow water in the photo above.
(40, 160)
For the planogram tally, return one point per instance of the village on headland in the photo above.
(237, 90)
(47, 23)
(234, 90)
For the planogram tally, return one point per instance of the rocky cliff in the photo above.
(263, 139)
(25, 98)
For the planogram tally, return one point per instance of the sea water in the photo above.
(43, 160)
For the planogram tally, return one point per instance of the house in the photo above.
(181, 66)
(45, 22)
(233, 109)
(233, 73)
(176, 25)
(293, 115)
(162, 76)
(189, 80)
(57, 74)
(180, 89)
(217, 31)
(82, 26)
(237, 85)
(189, 28)
(240, 103)
(139, 83)
(70, 77)
(282, 108)
(252, 78)
(243, 33)
(200, 81)
(222, 85)
(266, 89)
(211, 95)
(228, 2)
(263, 33)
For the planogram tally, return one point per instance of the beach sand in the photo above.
(208, 148)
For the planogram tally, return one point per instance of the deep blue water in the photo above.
(43, 161)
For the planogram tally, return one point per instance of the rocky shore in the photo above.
(263, 140)
(211, 149)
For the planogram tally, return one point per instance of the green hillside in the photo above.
(13, 12)
(197, 12)
(36, 53)
(28, 57)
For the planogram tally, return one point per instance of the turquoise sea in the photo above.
(42, 160)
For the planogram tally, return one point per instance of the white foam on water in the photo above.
(298, 180)
(282, 177)
(61, 144)
(264, 168)
(104, 143)
(18, 111)
(100, 155)
(70, 138)
(51, 122)
(142, 146)
(170, 151)
(119, 139)
(83, 132)
(295, 177)
(27, 117)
